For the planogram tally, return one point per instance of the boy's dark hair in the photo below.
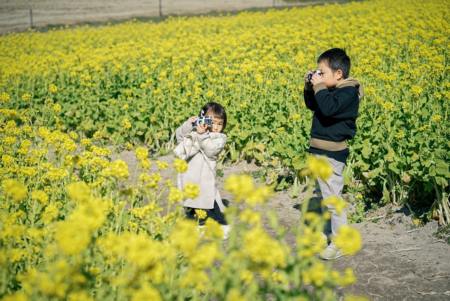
(336, 59)
(217, 109)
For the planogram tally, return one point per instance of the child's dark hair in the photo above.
(336, 59)
(217, 109)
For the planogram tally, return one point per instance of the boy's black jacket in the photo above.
(335, 112)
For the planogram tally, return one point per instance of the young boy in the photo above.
(334, 99)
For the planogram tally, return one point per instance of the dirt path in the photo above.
(15, 14)
(398, 261)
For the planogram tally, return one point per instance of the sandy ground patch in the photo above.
(15, 14)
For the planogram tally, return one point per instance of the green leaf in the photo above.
(393, 167)
(386, 194)
(366, 151)
(298, 163)
(442, 168)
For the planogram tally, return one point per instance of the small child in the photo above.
(334, 98)
(200, 141)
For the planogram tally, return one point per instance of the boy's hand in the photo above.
(202, 128)
(192, 119)
(316, 79)
(308, 84)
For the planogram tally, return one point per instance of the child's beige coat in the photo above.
(201, 152)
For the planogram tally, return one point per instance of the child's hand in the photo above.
(192, 119)
(316, 79)
(202, 128)
(307, 76)
(308, 84)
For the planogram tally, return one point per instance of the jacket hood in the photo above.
(351, 82)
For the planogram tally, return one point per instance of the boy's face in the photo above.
(217, 124)
(329, 77)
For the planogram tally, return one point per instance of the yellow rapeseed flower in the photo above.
(259, 195)
(26, 97)
(348, 240)
(213, 229)
(201, 214)
(185, 237)
(180, 165)
(191, 191)
(234, 295)
(57, 108)
(315, 275)
(51, 212)
(336, 202)
(205, 256)
(162, 165)
(175, 195)
(251, 217)
(318, 167)
(40, 196)
(72, 237)
(436, 118)
(126, 124)
(256, 244)
(141, 153)
(52, 88)
(310, 242)
(146, 292)
(78, 191)
(117, 169)
(14, 189)
(150, 180)
(241, 186)
(4, 97)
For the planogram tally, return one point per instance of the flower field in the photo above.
(73, 228)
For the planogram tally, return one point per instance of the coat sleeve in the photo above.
(336, 103)
(183, 131)
(211, 144)
(310, 101)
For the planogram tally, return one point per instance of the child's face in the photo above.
(217, 125)
(330, 77)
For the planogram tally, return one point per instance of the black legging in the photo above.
(213, 213)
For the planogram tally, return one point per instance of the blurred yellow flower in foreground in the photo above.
(78, 191)
(175, 195)
(318, 167)
(180, 165)
(14, 189)
(241, 186)
(117, 169)
(348, 240)
(191, 191)
(201, 214)
(338, 203)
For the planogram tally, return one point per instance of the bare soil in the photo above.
(15, 14)
(398, 261)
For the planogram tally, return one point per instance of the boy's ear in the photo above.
(339, 74)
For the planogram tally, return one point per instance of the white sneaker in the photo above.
(226, 231)
(325, 237)
(201, 230)
(331, 252)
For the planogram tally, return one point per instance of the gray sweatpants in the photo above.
(333, 186)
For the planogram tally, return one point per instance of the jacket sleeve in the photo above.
(335, 104)
(211, 144)
(183, 131)
(310, 101)
(187, 148)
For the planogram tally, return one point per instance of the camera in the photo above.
(311, 73)
(202, 120)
